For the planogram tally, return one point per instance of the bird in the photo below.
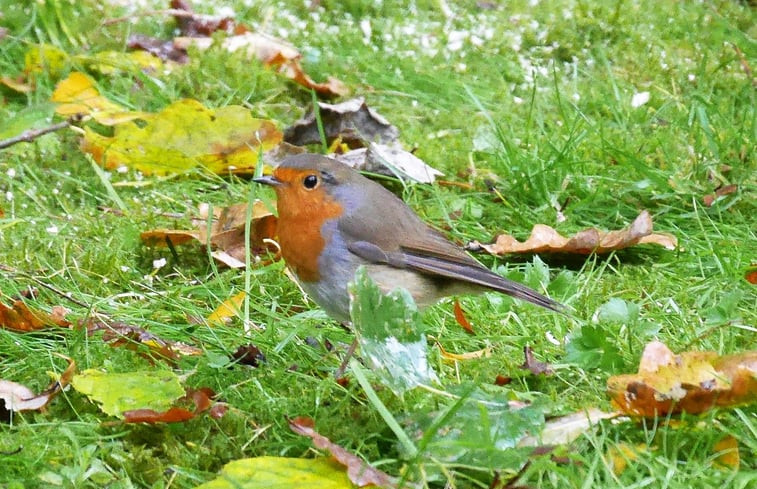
(332, 220)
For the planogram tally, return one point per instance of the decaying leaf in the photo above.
(693, 382)
(751, 274)
(165, 50)
(77, 95)
(198, 24)
(352, 121)
(710, 199)
(391, 160)
(113, 62)
(185, 135)
(201, 399)
(280, 473)
(359, 472)
(545, 239)
(20, 318)
(122, 334)
(273, 53)
(534, 366)
(18, 397)
(565, 429)
(727, 450)
(248, 355)
(226, 233)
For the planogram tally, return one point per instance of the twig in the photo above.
(45, 285)
(32, 134)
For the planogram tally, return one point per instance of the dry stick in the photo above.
(39, 282)
(744, 64)
(32, 134)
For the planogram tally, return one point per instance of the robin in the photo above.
(333, 220)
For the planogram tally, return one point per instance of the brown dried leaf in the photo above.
(545, 239)
(226, 233)
(198, 24)
(201, 399)
(359, 472)
(165, 50)
(751, 274)
(710, 199)
(352, 121)
(534, 366)
(248, 355)
(461, 319)
(122, 334)
(20, 318)
(18, 84)
(693, 382)
(272, 52)
(18, 397)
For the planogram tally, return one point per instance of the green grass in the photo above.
(549, 89)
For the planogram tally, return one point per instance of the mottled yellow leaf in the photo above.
(227, 310)
(185, 135)
(280, 473)
(77, 94)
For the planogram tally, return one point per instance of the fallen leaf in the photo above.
(352, 121)
(545, 239)
(44, 58)
(227, 310)
(20, 318)
(195, 25)
(18, 397)
(273, 53)
(280, 473)
(751, 274)
(248, 355)
(117, 393)
(501, 380)
(200, 398)
(565, 429)
(226, 236)
(185, 135)
(77, 95)
(461, 319)
(693, 382)
(483, 353)
(113, 62)
(534, 366)
(359, 472)
(165, 50)
(710, 199)
(621, 454)
(390, 160)
(121, 334)
(17, 84)
(727, 450)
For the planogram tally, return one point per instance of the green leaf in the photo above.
(280, 473)
(119, 392)
(591, 347)
(618, 311)
(391, 334)
(32, 117)
(724, 311)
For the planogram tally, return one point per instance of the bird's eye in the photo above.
(310, 182)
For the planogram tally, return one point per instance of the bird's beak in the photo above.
(267, 180)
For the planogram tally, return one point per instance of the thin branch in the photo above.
(65, 295)
(744, 64)
(32, 134)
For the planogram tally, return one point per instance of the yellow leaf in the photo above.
(45, 58)
(227, 310)
(112, 62)
(280, 473)
(77, 95)
(622, 453)
(728, 453)
(185, 135)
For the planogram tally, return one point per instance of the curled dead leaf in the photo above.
(121, 334)
(461, 319)
(693, 382)
(226, 235)
(18, 397)
(534, 366)
(201, 399)
(360, 473)
(545, 239)
(21, 318)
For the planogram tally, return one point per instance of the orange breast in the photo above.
(301, 216)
